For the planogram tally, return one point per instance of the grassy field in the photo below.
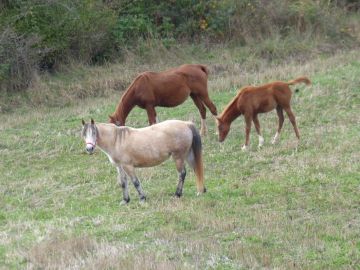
(288, 206)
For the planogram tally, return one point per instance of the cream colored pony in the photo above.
(129, 148)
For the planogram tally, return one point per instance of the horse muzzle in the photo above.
(90, 148)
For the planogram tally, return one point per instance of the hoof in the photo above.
(275, 139)
(244, 148)
(178, 194)
(143, 199)
(199, 193)
(125, 202)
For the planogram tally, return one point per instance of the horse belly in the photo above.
(174, 98)
(149, 157)
(267, 106)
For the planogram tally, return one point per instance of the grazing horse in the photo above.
(129, 148)
(252, 100)
(169, 88)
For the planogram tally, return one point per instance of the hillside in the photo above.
(286, 206)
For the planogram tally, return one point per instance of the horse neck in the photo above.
(111, 137)
(106, 137)
(230, 113)
(124, 107)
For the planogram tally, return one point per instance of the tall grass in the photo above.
(286, 206)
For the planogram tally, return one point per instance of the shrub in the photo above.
(18, 60)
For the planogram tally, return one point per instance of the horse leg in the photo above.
(202, 110)
(131, 173)
(257, 127)
(180, 167)
(292, 120)
(124, 185)
(248, 120)
(209, 104)
(280, 114)
(150, 109)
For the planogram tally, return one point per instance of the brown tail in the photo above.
(300, 80)
(204, 69)
(198, 162)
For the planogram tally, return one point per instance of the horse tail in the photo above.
(204, 69)
(197, 162)
(300, 80)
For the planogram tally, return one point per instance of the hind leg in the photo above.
(257, 127)
(280, 114)
(131, 173)
(209, 104)
(202, 110)
(293, 121)
(124, 185)
(180, 167)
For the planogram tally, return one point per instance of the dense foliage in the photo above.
(41, 34)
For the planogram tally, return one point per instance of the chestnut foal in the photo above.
(252, 100)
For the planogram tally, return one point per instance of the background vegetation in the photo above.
(288, 206)
(46, 35)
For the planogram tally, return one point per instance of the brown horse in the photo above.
(252, 100)
(129, 148)
(166, 89)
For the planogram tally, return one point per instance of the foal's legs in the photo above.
(150, 109)
(202, 110)
(131, 173)
(257, 127)
(124, 185)
(180, 167)
(280, 114)
(248, 119)
(292, 120)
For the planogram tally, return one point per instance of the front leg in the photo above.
(248, 120)
(131, 173)
(257, 127)
(150, 109)
(124, 185)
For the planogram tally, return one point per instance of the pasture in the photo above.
(285, 206)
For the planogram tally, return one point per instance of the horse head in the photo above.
(90, 134)
(223, 129)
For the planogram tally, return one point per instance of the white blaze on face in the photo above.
(90, 139)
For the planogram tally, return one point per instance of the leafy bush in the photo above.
(41, 34)
(18, 60)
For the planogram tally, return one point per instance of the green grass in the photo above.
(286, 206)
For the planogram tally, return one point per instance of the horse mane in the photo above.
(231, 103)
(126, 93)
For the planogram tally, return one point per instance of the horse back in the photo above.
(172, 137)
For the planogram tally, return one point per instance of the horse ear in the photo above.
(92, 121)
(83, 122)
